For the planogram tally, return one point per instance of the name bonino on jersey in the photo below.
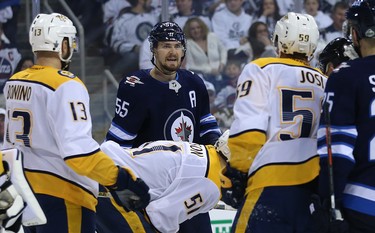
(19, 92)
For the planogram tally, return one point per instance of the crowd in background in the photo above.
(222, 36)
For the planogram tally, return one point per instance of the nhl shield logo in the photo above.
(180, 126)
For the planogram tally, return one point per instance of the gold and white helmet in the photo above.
(296, 33)
(48, 31)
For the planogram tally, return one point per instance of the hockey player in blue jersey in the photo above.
(165, 102)
(337, 51)
(162, 103)
(350, 95)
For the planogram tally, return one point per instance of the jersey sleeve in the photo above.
(340, 96)
(251, 114)
(129, 114)
(209, 129)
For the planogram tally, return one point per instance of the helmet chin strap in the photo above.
(65, 65)
(65, 62)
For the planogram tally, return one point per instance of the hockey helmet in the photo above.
(166, 31)
(221, 146)
(361, 17)
(48, 31)
(296, 33)
(337, 51)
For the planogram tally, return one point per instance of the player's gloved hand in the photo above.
(130, 191)
(321, 220)
(233, 186)
(11, 206)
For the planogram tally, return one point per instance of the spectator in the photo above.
(335, 29)
(90, 15)
(129, 31)
(211, 94)
(24, 63)
(164, 103)
(145, 56)
(224, 101)
(2, 120)
(268, 13)
(231, 25)
(111, 10)
(349, 103)
(9, 58)
(260, 42)
(9, 19)
(205, 53)
(185, 11)
(311, 7)
(209, 7)
(48, 105)
(253, 6)
(273, 136)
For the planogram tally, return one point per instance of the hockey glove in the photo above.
(130, 191)
(233, 186)
(321, 220)
(11, 205)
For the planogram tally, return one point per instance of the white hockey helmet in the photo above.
(221, 145)
(296, 33)
(47, 32)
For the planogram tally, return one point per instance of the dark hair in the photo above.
(340, 5)
(133, 3)
(252, 33)
(276, 15)
(200, 22)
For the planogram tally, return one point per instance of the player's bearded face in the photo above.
(168, 55)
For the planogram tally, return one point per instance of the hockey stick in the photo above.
(335, 213)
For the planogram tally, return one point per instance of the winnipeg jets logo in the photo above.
(132, 80)
(184, 131)
(180, 126)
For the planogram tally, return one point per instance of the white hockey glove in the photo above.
(11, 205)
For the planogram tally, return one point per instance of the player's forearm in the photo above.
(97, 166)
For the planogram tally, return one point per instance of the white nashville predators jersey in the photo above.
(183, 178)
(48, 119)
(281, 98)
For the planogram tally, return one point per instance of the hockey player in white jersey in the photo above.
(183, 177)
(48, 119)
(273, 136)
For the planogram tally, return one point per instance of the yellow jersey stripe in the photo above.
(49, 184)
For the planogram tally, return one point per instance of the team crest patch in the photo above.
(180, 126)
(132, 80)
(66, 73)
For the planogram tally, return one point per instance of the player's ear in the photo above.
(355, 38)
(65, 48)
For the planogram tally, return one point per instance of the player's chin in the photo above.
(173, 66)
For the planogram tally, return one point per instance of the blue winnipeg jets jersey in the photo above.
(350, 93)
(148, 110)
